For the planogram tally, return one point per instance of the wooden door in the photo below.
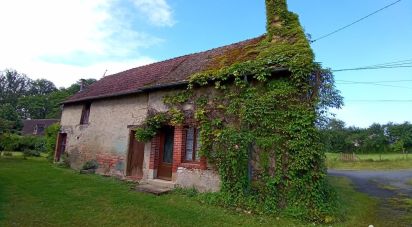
(135, 157)
(60, 146)
(164, 170)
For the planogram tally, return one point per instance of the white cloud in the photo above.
(158, 11)
(65, 40)
(63, 75)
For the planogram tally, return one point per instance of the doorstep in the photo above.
(155, 186)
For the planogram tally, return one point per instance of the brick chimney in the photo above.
(82, 83)
(276, 14)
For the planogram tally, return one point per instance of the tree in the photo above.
(400, 132)
(323, 83)
(334, 136)
(44, 102)
(34, 106)
(74, 88)
(399, 146)
(9, 118)
(13, 85)
(42, 87)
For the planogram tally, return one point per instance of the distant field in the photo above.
(370, 162)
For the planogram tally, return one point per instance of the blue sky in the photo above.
(69, 39)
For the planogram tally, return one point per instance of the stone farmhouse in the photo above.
(98, 123)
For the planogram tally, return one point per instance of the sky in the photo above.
(65, 40)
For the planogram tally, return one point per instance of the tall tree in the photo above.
(13, 85)
(9, 118)
(42, 87)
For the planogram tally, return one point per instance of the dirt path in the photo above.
(391, 188)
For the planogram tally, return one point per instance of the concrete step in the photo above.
(155, 190)
(161, 183)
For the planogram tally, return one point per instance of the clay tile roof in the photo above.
(166, 73)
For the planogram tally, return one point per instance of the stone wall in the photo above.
(201, 180)
(106, 139)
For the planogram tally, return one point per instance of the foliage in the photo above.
(9, 119)
(50, 136)
(155, 121)
(91, 164)
(64, 161)
(42, 87)
(151, 126)
(8, 154)
(374, 139)
(258, 128)
(178, 98)
(384, 161)
(31, 153)
(9, 142)
(14, 142)
(399, 146)
(12, 86)
(23, 98)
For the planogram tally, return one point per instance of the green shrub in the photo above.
(31, 153)
(92, 164)
(50, 140)
(7, 154)
(14, 142)
(33, 142)
(64, 161)
(9, 142)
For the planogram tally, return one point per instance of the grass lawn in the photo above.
(35, 193)
(370, 162)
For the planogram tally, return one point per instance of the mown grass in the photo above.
(35, 193)
(370, 162)
(358, 208)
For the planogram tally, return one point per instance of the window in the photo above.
(84, 120)
(192, 145)
(38, 129)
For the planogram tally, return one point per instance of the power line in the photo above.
(409, 61)
(353, 23)
(409, 65)
(379, 100)
(374, 84)
(388, 65)
(371, 68)
(382, 81)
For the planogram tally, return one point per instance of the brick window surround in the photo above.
(179, 149)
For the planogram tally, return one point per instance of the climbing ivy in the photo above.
(259, 126)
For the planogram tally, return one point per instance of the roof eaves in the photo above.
(144, 89)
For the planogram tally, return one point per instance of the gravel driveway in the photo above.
(380, 184)
(390, 188)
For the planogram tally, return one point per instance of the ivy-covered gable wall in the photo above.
(258, 125)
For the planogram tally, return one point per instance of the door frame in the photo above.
(163, 165)
(129, 155)
(60, 146)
